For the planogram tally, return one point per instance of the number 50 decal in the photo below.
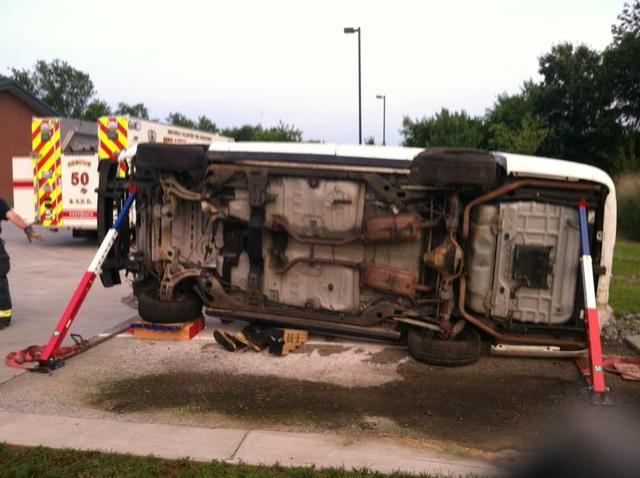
(79, 179)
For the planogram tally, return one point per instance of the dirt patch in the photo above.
(615, 347)
(488, 407)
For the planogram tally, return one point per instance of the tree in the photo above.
(574, 100)
(444, 129)
(627, 159)
(370, 140)
(629, 22)
(524, 138)
(205, 124)
(513, 126)
(178, 119)
(139, 110)
(510, 109)
(95, 110)
(282, 132)
(242, 133)
(57, 84)
(621, 63)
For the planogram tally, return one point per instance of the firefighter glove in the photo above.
(31, 234)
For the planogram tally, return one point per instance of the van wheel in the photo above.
(426, 347)
(145, 285)
(184, 309)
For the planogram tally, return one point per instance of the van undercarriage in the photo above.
(432, 249)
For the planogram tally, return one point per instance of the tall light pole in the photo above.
(357, 30)
(384, 114)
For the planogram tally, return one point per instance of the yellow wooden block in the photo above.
(187, 331)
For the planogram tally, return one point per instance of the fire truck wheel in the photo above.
(184, 309)
(427, 348)
(171, 157)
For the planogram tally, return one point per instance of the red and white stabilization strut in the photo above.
(596, 369)
(50, 356)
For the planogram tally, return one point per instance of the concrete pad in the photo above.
(331, 450)
(634, 342)
(165, 441)
(258, 447)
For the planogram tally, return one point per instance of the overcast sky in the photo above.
(263, 61)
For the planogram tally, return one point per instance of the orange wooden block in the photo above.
(187, 331)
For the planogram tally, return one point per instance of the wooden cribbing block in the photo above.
(288, 340)
(181, 331)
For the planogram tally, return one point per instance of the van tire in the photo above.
(455, 167)
(171, 157)
(184, 309)
(427, 348)
(147, 285)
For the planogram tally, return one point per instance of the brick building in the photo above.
(17, 106)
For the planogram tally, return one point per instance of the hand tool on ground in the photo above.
(52, 355)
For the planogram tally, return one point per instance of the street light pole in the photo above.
(357, 30)
(384, 114)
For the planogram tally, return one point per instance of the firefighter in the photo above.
(8, 214)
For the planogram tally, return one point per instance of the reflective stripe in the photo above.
(47, 169)
(5, 313)
(114, 141)
(587, 282)
(103, 250)
(122, 169)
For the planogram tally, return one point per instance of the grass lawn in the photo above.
(624, 294)
(46, 462)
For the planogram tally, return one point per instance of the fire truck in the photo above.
(56, 186)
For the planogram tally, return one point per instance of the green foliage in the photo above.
(523, 138)
(629, 21)
(283, 132)
(139, 110)
(63, 88)
(510, 109)
(178, 119)
(627, 158)
(370, 140)
(574, 101)
(95, 110)
(445, 128)
(513, 125)
(205, 124)
(242, 133)
(25, 79)
(69, 92)
(625, 281)
(621, 67)
(621, 64)
(628, 195)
